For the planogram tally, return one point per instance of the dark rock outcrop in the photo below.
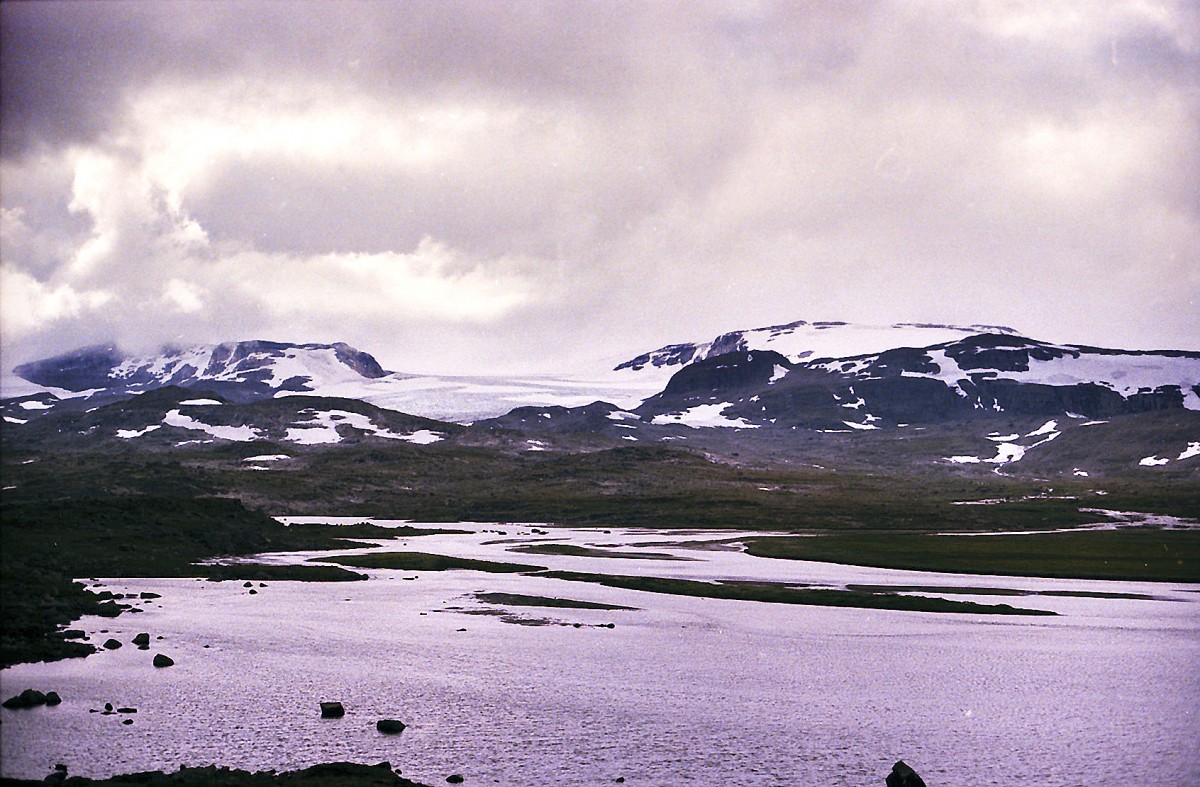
(904, 776)
(30, 698)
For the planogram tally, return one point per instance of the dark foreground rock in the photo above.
(332, 710)
(904, 776)
(163, 661)
(30, 698)
(390, 726)
(336, 774)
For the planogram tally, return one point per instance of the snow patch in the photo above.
(1193, 449)
(422, 437)
(322, 429)
(863, 427)
(10, 420)
(1153, 461)
(129, 434)
(199, 402)
(239, 434)
(267, 458)
(705, 415)
(35, 405)
(622, 415)
(1045, 428)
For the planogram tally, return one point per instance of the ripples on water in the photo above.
(682, 691)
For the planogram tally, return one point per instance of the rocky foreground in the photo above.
(337, 774)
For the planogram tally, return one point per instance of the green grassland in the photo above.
(45, 547)
(1126, 554)
(637, 486)
(120, 509)
(777, 593)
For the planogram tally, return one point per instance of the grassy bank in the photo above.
(45, 547)
(1139, 554)
(777, 593)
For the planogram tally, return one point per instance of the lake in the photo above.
(679, 691)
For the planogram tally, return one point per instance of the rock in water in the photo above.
(454, 778)
(53, 699)
(30, 698)
(112, 644)
(142, 640)
(904, 776)
(163, 661)
(390, 726)
(332, 710)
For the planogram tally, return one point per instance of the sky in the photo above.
(492, 187)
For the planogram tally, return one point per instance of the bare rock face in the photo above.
(904, 776)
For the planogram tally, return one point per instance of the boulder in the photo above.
(142, 640)
(454, 778)
(332, 710)
(112, 644)
(904, 776)
(30, 698)
(53, 699)
(390, 726)
(163, 661)
(74, 634)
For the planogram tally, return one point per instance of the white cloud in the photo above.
(28, 305)
(549, 184)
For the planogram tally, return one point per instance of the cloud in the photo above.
(536, 181)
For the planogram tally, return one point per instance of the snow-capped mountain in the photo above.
(243, 371)
(801, 340)
(985, 369)
(990, 398)
(906, 373)
(983, 374)
(254, 370)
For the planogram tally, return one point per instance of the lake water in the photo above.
(681, 691)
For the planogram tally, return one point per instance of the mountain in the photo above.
(802, 340)
(977, 375)
(243, 371)
(171, 417)
(984, 399)
(253, 370)
(973, 396)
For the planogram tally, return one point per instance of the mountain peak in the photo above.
(244, 369)
(804, 340)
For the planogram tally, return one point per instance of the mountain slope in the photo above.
(243, 371)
